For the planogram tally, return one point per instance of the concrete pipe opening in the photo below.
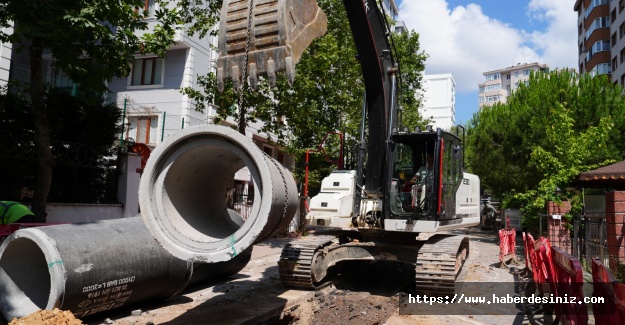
(183, 194)
(29, 277)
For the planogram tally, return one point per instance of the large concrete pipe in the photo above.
(93, 267)
(183, 187)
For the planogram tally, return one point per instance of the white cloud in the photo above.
(558, 43)
(465, 42)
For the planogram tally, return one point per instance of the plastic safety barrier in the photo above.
(507, 246)
(539, 254)
(568, 282)
(612, 311)
(526, 254)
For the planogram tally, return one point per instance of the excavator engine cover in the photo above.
(272, 33)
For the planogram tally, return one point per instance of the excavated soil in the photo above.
(343, 307)
(48, 317)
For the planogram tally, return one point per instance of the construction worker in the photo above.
(11, 212)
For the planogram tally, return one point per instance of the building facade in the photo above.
(439, 100)
(501, 83)
(597, 33)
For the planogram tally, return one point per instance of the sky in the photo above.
(469, 37)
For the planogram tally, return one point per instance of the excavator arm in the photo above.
(267, 36)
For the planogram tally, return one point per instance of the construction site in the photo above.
(400, 234)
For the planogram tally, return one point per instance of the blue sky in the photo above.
(466, 38)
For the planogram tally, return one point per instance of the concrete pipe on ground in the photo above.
(183, 194)
(93, 267)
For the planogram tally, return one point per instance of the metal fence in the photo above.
(590, 237)
(241, 200)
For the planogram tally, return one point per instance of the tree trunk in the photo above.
(45, 160)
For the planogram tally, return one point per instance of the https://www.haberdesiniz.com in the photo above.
(507, 299)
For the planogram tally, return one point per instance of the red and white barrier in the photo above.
(507, 246)
(612, 311)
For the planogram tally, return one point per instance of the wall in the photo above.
(557, 231)
(74, 213)
(127, 195)
(615, 219)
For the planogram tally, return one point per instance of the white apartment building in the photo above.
(439, 100)
(499, 84)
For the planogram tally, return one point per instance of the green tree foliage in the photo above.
(82, 130)
(548, 132)
(327, 95)
(91, 41)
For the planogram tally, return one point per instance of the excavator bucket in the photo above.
(270, 36)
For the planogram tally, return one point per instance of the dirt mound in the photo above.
(48, 317)
(353, 307)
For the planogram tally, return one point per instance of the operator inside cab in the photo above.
(424, 176)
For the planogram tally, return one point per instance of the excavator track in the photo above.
(296, 261)
(438, 264)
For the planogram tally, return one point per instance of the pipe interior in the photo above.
(194, 192)
(26, 267)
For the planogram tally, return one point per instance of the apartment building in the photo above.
(439, 100)
(600, 38)
(499, 84)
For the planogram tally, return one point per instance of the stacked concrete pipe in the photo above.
(93, 267)
(183, 187)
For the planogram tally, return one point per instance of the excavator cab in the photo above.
(428, 167)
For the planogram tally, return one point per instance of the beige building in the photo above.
(499, 84)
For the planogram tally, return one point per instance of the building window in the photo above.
(508, 88)
(613, 15)
(579, 29)
(493, 76)
(599, 46)
(601, 68)
(516, 74)
(593, 4)
(147, 72)
(481, 99)
(516, 85)
(623, 79)
(601, 22)
(492, 87)
(148, 8)
(621, 30)
(481, 89)
(490, 99)
(508, 76)
(143, 128)
(614, 63)
(621, 6)
(614, 38)
(526, 72)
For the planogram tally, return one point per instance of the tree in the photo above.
(90, 41)
(547, 133)
(327, 94)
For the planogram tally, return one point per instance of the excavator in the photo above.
(379, 211)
